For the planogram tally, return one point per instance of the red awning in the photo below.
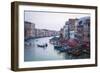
(63, 41)
(73, 43)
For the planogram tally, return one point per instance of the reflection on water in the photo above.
(34, 53)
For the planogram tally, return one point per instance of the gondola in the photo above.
(45, 45)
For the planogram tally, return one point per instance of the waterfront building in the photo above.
(73, 27)
(45, 33)
(83, 31)
(66, 30)
(76, 29)
(70, 28)
(29, 30)
(39, 33)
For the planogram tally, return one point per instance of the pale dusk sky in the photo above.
(50, 20)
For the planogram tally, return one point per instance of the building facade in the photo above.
(77, 29)
(70, 28)
(29, 30)
(83, 30)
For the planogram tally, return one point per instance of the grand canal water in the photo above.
(34, 53)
